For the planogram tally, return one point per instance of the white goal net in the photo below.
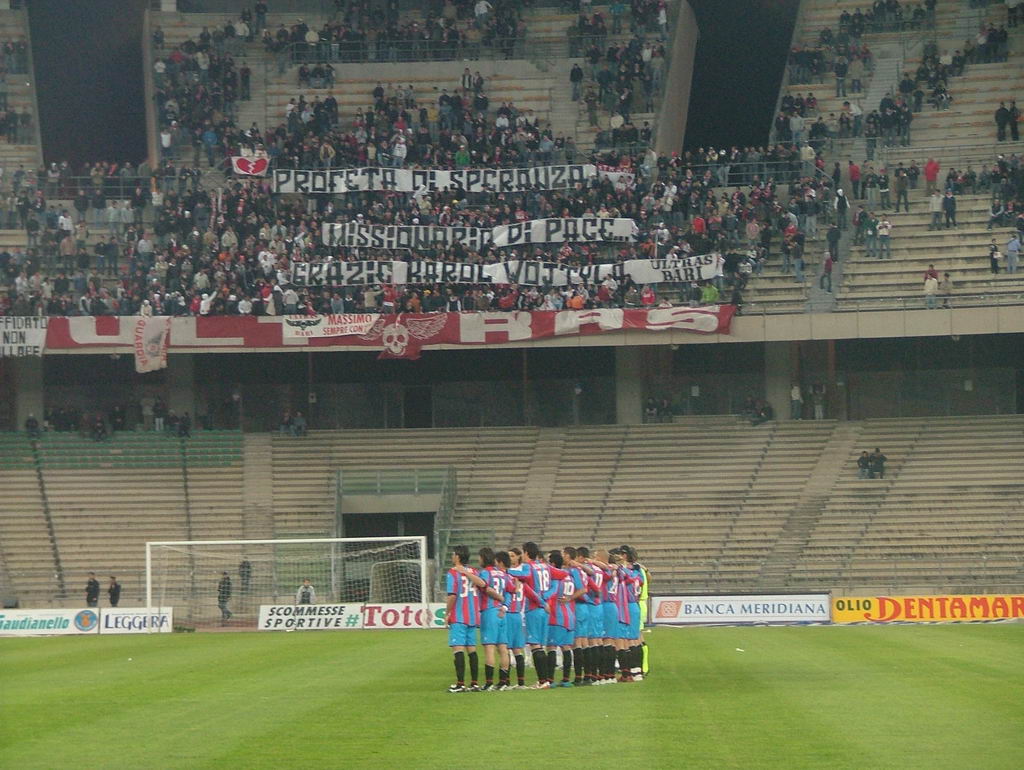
(211, 582)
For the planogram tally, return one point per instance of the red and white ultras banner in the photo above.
(151, 340)
(395, 336)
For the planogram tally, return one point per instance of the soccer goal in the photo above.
(212, 581)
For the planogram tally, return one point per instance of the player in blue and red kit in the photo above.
(618, 624)
(609, 615)
(463, 587)
(493, 635)
(514, 631)
(534, 574)
(566, 589)
(589, 621)
(634, 586)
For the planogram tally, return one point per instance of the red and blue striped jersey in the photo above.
(617, 594)
(467, 599)
(610, 586)
(516, 593)
(635, 579)
(562, 613)
(526, 575)
(595, 587)
(495, 578)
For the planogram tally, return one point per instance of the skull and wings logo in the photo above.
(402, 339)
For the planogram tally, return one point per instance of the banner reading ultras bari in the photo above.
(338, 181)
(927, 609)
(703, 267)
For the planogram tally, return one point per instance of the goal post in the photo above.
(189, 575)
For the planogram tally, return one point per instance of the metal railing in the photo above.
(910, 301)
(399, 481)
(377, 51)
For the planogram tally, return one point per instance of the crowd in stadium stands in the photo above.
(15, 58)
(849, 60)
(173, 248)
(210, 255)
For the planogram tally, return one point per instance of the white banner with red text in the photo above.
(400, 335)
(702, 267)
(731, 610)
(349, 617)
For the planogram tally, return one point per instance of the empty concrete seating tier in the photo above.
(106, 499)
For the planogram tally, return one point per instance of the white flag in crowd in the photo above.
(152, 338)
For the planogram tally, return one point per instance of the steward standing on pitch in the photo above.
(92, 591)
(306, 593)
(223, 596)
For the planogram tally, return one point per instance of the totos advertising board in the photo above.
(927, 609)
(345, 617)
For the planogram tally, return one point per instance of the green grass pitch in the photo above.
(859, 697)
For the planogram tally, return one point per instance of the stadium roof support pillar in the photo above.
(181, 389)
(781, 370)
(629, 385)
(28, 389)
(678, 80)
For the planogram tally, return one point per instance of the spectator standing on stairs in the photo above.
(796, 402)
(841, 204)
(832, 237)
(935, 206)
(825, 282)
(1002, 121)
(840, 69)
(1014, 122)
(114, 591)
(949, 209)
(884, 238)
(931, 292)
(931, 175)
(818, 399)
(946, 289)
(576, 79)
(1012, 253)
(993, 257)
(92, 591)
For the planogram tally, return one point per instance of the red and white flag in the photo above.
(152, 340)
(246, 166)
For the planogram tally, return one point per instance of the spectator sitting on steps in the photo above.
(32, 427)
(762, 414)
(863, 465)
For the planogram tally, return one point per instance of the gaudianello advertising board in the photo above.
(49, 622)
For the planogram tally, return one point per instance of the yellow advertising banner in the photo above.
(926, 609)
